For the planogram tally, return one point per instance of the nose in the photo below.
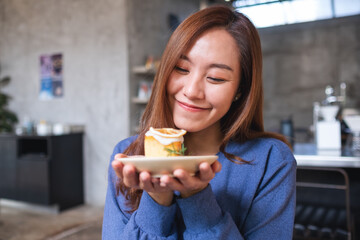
(194, 87)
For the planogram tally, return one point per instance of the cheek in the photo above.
(173, 85)
(221, 101)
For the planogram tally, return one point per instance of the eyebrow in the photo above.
(219, 65)
(213, 65)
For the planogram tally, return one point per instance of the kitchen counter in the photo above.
(327, 181)
(307, 155)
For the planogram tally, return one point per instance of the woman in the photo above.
(209, 83)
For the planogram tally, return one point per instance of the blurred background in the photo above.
(106, 53)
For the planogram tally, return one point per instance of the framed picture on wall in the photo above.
(51, 76)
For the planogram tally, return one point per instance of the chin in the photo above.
(190, 126)
(184, 124)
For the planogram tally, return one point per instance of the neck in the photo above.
(205, 142)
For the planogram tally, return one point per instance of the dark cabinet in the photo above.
(8, 152)
(42, 169)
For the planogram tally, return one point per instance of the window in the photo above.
(266, 13)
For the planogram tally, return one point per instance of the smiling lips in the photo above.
(191, 108)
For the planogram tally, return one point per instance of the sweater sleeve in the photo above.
(272, 212)
(204, 218)
(149, 221)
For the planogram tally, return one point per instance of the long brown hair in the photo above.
(244, 120)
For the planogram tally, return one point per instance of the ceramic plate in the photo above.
(158, 166)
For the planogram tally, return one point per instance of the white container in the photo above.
(328, 135)
(329, 112)
(43, 129)
(59, 129)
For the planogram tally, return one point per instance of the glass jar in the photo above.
(355, 143)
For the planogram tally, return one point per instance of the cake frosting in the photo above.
(162, 142)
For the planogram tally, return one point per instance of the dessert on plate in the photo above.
(164, 142)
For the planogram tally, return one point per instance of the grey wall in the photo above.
(301, 59)
(91, 35)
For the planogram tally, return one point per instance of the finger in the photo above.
(171, 183)
(130, 177)
(155, 182)
(205, 172)
(145, 182)
(164, 180)
(184, 177)
(160, 187)
(118, 168)
(216, 166)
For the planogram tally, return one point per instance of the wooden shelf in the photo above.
(139, 100)
(143, 70)
(140, 74)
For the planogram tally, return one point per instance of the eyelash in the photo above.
(184, 71)
(218, 80)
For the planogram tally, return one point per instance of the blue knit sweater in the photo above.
(243, 201)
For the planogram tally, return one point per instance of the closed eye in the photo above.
(217, 80)
(181, 70)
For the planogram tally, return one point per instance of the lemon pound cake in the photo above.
(164, 142)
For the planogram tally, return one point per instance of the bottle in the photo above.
(28, 125)
(287, 129)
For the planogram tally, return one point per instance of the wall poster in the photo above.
(51, 77)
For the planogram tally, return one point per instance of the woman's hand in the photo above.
(143, 180)
(189, 185)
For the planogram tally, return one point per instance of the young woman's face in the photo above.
(204, 82)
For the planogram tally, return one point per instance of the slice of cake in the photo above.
(164, 142)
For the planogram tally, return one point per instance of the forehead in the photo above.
(217, 45)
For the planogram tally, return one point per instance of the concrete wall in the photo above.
(301, 59)
(91, 35)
